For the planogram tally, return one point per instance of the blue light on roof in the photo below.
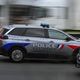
(45, 25)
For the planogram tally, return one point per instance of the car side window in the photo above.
(57, 35)
(17, 31)
(33, 32)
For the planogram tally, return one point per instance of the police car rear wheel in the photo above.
(16, 55)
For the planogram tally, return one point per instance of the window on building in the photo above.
(38, 12)
(21, 13)
(18, 14)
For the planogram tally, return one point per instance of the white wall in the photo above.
(77, 14)
(69, 23)
(23, 2)
(41, 2)
(2, 2)
(51, 3)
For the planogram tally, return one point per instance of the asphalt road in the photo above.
(37, 70)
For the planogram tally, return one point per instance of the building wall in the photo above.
(23, 2)
(53, 6)
(77, 13)
(57, 10)
(51, 3)
(74, 14)
(2, 2)
(71, 15)
(73, 6)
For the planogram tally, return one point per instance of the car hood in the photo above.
(76, 42)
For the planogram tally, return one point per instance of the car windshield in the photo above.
(74, 38)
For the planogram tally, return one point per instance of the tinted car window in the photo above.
(17, 31)
(34, 32)
(57, 35)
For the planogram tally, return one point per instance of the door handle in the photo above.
(27, 39)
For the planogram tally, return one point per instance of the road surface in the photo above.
(37, 70)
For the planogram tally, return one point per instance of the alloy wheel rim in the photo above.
(17, 55)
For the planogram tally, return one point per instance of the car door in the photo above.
(59, 39)
(37, 48)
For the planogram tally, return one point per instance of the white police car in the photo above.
(38, 42)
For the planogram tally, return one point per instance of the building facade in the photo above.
(63, 14)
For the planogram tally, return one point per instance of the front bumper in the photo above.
(3, 52)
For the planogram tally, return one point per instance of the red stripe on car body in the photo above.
(73, 46)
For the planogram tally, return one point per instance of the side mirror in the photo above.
(5, 37)
(68, 39)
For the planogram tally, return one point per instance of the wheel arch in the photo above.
(75, 52)
(17, 46)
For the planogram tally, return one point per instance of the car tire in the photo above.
(75, 56)
(17, 54)
(78, 60)
(74, 59)
(77, 65)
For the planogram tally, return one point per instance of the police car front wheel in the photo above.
(16, 54)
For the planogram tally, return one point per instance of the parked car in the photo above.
(38, 42)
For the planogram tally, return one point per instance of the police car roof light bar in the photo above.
(45, 25)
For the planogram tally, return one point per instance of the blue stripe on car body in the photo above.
(9, 45)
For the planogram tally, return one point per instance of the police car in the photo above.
(39, 43)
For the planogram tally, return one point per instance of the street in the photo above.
(37, 70)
